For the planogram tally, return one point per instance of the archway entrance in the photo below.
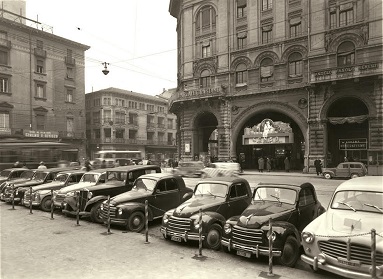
(205, 137)
(284, 140)
(347, 131)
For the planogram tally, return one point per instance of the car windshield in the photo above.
(144, 184)
(358, 201)
(27, 174)
(62, 177)
(116, 175)
(5, 173)
(275, 194)
(90, 177)
(39, 175)
(214, 189)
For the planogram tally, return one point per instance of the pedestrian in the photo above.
(87, 165)
(103, 164)
(261, 164)
(41, 166)
(175, 164)
(345, 159)
(318, 166)
(268, 164)
(24, 166)
(287, 164)
(17, 164)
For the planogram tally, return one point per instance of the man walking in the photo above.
(318, 166)
(261, 164)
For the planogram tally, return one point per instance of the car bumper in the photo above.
(336, 269)
(258, 251)
(185, 236)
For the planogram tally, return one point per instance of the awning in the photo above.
(351, 119)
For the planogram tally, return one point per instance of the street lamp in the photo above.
(105, 71)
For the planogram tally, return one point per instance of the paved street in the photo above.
(34, 246)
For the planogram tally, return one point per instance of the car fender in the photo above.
(209, 218)
(94, 200)
(130, 207)
(283, 230)
(186, 196)
(329, 171)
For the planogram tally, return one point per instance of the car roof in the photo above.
(132, 167)
(285, 185)
(13, 169)
(73, 171)
(364, 183)
(224, 180)
(98, 171)
(159, 175)
(57, 169)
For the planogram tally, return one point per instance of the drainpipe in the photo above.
(309, 83)
(30, 82)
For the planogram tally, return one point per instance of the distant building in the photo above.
(42, 91)
(308, 71)
(119, 119)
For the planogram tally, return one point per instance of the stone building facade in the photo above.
(309, 70)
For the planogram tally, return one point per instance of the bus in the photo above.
(32, 153)
(123, 157)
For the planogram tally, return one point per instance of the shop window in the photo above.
(346, 54)
(295, 65)
(205, 79)
(241, 74)
(267, 69)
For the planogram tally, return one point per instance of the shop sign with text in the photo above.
(352, 144)
(41, 134)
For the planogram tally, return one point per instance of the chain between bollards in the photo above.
(146, 223)
(52, 205)
(78, 209)
(200, 234)
(108, 215)
(270, 249)
(30, 200)
(373, 254)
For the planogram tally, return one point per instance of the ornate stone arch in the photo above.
(240, 60)
(266, 54)
(200, 110)
(205, 3)
(283, 108)
(199, 67)
(297, 48)
(334, 42)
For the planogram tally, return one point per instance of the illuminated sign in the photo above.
(352, 144)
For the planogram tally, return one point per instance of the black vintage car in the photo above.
(118, 180)
(162, 191)
(25, 175)
(9, 174)
(219, 198)
(290, 207)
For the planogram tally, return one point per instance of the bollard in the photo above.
(108, 214)
(200, 234)
(52, 205)
(373, 253)
(78, 209)
(270, 249)
(146, 223)
(13, 197)
(30, 200)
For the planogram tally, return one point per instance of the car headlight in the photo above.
(70, 194)
(119, 211)
(102, 207)
(196, 223)
(36, 195)
(165, 218)
(90, 195)
(227, 228)
(308, 237)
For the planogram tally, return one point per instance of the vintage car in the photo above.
(26, 175)
(118, 180)
(221, 169)
(219, 199)
(41, 176)
(345, 170)
(290, 208)
(189, 168)
(9, 174)
(340, 240)
(41, 195)
(89, 179)
(162, 191)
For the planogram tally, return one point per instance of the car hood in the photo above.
(75, 187)
(19, 180)
(129, 196)
(47, 186)
(29, 183)
(108, 185)
(260, 213)
(193, 205)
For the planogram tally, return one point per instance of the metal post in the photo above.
(373, 253)
(108, 214)
(30, 200)
(52, 205)
(200, 234)
(146, 223)
(13, 197)
(270, 249)
(78, 209)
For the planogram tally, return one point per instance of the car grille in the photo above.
(179, 224)
(59, 198)
(358, 252)
(27, 197)
(104, 211)
(247, 237)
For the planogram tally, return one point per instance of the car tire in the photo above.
(354, 175)
(46, 204)
(290, 252)
(327, 175)
(136, 222)
(95, 213)
(213, 237)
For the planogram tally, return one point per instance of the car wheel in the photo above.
(46, 204)
(327, 175)
(213, 237)
(95, 213)
(354, 175)
(290, 252)
(136, 222)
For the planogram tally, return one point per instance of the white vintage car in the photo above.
(341, 240)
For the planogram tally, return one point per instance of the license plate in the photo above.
(176, 238)
(244, 254)
(349, 263)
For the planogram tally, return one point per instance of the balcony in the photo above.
(150, 125)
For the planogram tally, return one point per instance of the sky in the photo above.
(137, 38)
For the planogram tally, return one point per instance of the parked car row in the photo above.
(228, 213)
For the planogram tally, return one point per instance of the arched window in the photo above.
(295, 65)
(346, 54)
(267, 69)
(205, 79)
(206, 19)
(241, 74)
